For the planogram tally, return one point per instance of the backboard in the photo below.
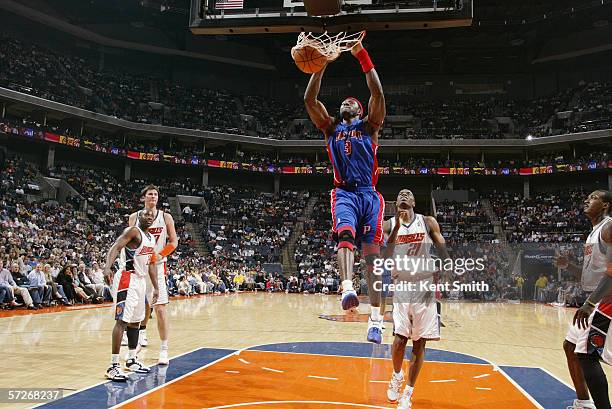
(286, 16)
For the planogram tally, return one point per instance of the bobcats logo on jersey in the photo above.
(410, 238)
(588, 250)
(156, 232)
(144, 251)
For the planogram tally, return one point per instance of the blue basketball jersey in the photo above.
(353, 156)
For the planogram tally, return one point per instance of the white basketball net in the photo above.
(329, 45)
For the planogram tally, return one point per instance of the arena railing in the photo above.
(40, 104)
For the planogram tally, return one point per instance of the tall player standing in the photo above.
(137, 260)
(357, 208)
(166, 241)
(589, 338)
(415, 314)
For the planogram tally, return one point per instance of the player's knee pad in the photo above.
(346, 240)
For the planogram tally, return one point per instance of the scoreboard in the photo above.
(287, 16)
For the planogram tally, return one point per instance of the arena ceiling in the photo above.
(506, 36)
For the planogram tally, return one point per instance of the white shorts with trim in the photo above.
(597, 337)
(162, 298)
(129, 291)
(416, 320)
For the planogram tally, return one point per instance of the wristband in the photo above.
(590, 304)
(153, 258)
(364, 60)
(167, 250)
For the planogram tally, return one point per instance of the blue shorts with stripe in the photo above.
(361, 212)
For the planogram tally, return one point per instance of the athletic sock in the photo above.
(347, 285)
(399, 374)
(131, 354)
(114, 359)
(375, 314)
(164, 345)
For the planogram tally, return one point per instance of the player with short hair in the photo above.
(415, 313)
(589, 338)
(166, 241)
(138, 259)
(357, 208)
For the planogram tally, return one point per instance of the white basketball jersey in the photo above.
(137, 260)
(595, 260)
(158, 230)
(413, 240)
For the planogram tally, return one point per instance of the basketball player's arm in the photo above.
(437, 237)
(132, 220)
(390, 249)
(315, 108)
(127, 236)
(153, 276)
(376, 105)
(387, 227)
(172, 237)
(603, 288)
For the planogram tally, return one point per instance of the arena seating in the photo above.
(547, 217)
(73, 80)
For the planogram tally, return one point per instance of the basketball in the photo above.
(308, 59)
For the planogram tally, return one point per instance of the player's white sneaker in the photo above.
(114, 373)
(393, 392)
(349, 299)
(374, 331)
(582, 405)
(163, 357)
(143, 341)
(405, 401)
(124, 340)
(135, 366)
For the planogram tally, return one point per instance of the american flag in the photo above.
(229, 4)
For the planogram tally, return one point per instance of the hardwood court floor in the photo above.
(70, 349)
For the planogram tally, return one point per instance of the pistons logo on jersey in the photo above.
(156, 232)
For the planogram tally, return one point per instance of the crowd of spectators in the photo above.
(73, 80)
(554, 217)
(249, 226)
(52, 253)
(464, 222)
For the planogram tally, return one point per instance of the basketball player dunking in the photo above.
(166, 242)
(137, 249)
(357, 208)
(589, 338)
(415, 313)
